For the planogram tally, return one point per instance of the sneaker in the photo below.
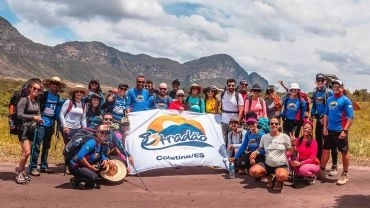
(46, 170)
(35, 172)
(333, 171)
(311, 180)
(322, 175)
(343, 179)
(22, 178)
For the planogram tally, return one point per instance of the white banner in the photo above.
(168, 138)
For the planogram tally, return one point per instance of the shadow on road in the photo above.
(358, 201)
(7, 176)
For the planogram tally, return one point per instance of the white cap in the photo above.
(180, 92)
(294, 86)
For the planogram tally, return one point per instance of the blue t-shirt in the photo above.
(156, 102)
(49, 114)
(319, 99)
(293, 108)
(92, 151)
(119, 108)
(338, 111)
(137, 99)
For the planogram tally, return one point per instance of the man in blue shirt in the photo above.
(319, 98)
(137, 98)
(161, 100)
(48, 104)
(116, 103)
(338, 118)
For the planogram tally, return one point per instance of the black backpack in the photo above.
(15, 123)
(74, 145)
(237, 102)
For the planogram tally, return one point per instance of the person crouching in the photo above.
(85, 165)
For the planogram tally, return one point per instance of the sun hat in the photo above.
(194, 85)
(212, 87)
(180, 92)
(256, 87)
(116, 173)
(46, 82)
(294, 86)
(77, 88)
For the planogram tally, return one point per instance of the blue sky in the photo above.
(288, 40)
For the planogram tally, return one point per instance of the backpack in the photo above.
(15, 124)
(237, 102)
(74, 145)
(325, 98)
(166, 101)
(263, 125)
(187, 101)
(57, 113)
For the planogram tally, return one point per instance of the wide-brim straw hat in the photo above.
(78, 88)
(116, 173)
(194, 85)
(46, 82)
(212, 87)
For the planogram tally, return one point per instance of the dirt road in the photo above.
(183, 187)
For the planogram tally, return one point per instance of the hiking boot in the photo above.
(22, 178)
(333, 171)
(343, 179)
(322, 175)
(46, 170)
(35, 172)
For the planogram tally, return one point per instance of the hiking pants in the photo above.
(43, 135)
(84, 173)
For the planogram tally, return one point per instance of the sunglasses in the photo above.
(80, 91)
(274, 124)
(251, 123)
(140, 82)
(108, 119)
(320, 80)
(307, 128)
(36, 89)
(231, 85)
(103, 132)
(123, 88)
(210, 91)
(180, 95)
(244, 84)
(163, 89)
(146, 86)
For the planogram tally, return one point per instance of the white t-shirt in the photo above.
(228, 103)
(275, 148)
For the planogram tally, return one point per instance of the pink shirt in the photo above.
(256, 107)
(307, 155)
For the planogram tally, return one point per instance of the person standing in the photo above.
(137, 97)
(319, 99)
(28, 111)
(338, 119)
(232, 105)
(117, 104)
(48, 102)
(273, 103)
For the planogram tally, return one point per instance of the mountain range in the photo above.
(81, 61)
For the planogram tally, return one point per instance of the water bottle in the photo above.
(11, 123)
(231, 170)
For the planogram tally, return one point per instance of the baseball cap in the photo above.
(337, 81)
(320, 76)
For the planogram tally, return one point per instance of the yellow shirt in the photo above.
(211, 105)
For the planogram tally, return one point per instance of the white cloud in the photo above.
(290, 40)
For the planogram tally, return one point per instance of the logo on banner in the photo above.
(173, 130)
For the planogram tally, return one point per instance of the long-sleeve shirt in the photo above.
(250, 143)
(307, 155)
(26, 109)
(75, 118)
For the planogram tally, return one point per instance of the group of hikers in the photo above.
(262, 133)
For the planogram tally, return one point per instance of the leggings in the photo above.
(308, 170)
(85, 173)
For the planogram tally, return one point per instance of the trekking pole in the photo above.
(32, 149)
(146, 188)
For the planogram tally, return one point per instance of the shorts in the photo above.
(271, 170)
(244, 162)
(27, 132)
(332, 140)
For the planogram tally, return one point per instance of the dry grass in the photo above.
(359, 141)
